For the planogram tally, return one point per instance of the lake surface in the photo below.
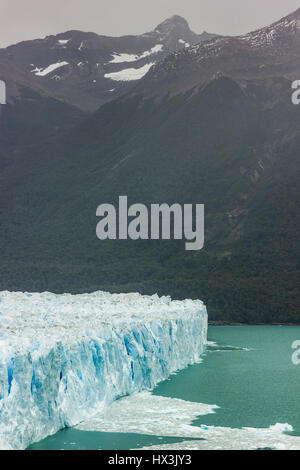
(247, 372)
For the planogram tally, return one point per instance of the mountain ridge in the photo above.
(229, 139)
(86, 69)
(267, 52)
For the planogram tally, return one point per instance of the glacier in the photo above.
(64, 358)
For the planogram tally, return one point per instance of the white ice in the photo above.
(125, 57)
(40, 72)
(183, 42)
(63, 42)
(144, 413)
(127, 75)
(65, 357)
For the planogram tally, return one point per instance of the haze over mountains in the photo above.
(272, 51)
(86, 69)
(210, 123)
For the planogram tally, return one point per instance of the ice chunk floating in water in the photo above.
(144, 413)
(65, 357)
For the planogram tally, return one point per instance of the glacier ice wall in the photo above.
(65, 357)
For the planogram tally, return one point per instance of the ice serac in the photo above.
(65, 357)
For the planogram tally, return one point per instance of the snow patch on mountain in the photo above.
(63, 42)
(124, 57)
(181, 41)
(267, 36)
(42, 72)
(127, 75)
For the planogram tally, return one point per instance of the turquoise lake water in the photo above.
(247, 371)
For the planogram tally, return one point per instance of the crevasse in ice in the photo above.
(65, 357)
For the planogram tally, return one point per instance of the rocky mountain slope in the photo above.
(228, 137)
(87, 70)
(272, 51)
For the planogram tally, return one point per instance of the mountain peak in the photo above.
(171, 23)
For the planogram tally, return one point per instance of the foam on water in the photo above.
(144, 413)
(222, 438)
(214, 347)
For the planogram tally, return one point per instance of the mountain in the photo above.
(87, 70)
(214, 128)
(268, 52)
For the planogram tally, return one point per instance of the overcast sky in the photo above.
(29, 19)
